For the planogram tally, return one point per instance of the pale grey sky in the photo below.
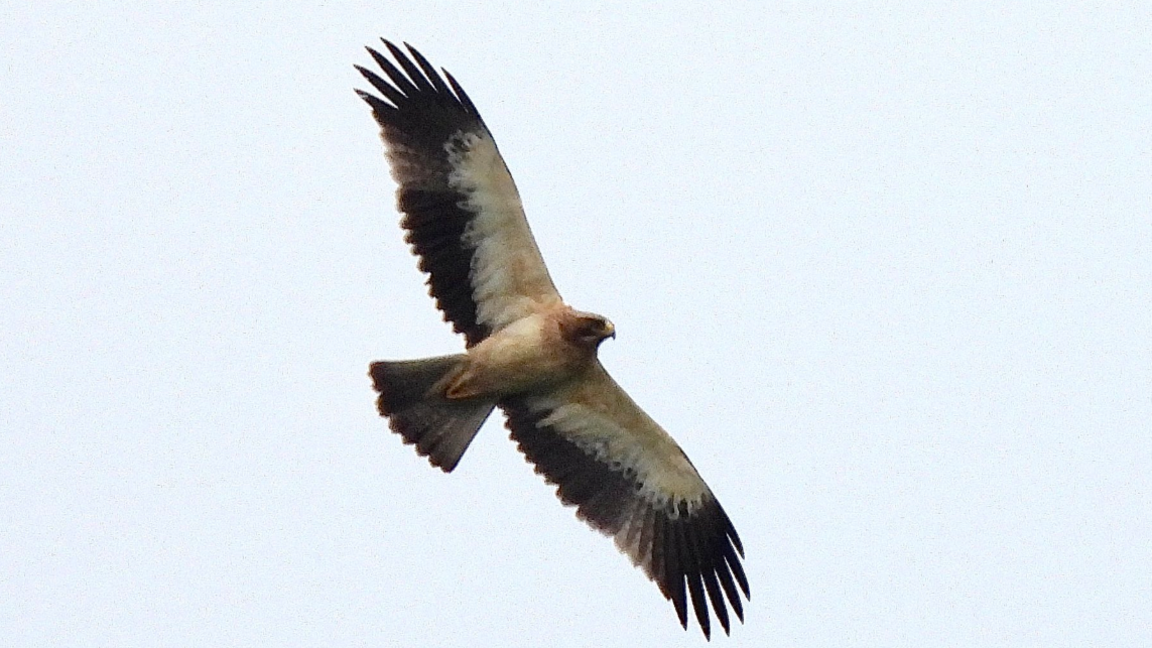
(884, 271)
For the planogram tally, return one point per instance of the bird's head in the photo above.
(587, 330)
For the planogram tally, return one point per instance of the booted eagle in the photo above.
(529, 353)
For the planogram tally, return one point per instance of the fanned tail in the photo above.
(412, 398)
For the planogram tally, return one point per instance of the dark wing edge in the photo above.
(419, 114)
(676, 545)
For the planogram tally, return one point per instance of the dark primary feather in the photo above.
(697, 550)
(418, 114)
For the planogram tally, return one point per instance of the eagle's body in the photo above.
(537, 350)
(531, 354)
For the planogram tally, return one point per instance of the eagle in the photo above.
(529, 353)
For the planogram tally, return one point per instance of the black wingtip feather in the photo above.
(657, 560)
(410, 68)
(737, 569)
(729, 588)
(692, 574)
(673, 573)
(461, 95)
(402, 84)
(429, 71)
(711, 586)
(731, 532)
(383, 87)
(378, 106)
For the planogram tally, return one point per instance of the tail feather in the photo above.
(412, 398)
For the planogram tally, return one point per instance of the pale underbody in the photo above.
(537, 351)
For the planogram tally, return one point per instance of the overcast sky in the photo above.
(885, 273)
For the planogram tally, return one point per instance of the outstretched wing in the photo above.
(462, 212)
(629, 479)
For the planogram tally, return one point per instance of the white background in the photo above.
(884, 271)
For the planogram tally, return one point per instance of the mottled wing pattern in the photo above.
(462, 212)
(630, 480)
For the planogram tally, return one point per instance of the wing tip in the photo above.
(415, 87)
(701, 563)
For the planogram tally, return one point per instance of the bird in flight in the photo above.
(529, 353)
